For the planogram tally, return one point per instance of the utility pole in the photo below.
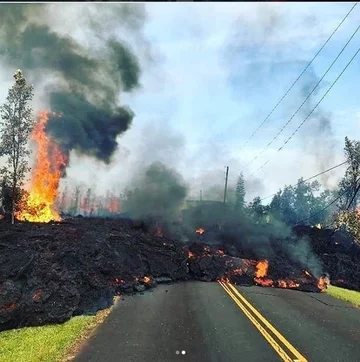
(226, 182)
(200, 195)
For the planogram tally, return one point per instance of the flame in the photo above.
(191, 255)
(220, 252)
(323, 283)
(39, 206)
(146, 279)
(262, 268)
(200, 231)
(1, 217)
(260, 274)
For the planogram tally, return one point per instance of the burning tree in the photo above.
(17, 123)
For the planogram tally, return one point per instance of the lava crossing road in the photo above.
(208, 322)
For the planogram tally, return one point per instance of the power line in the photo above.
(310, 178)
(296, 80)
(312, 111)
(306, 98)
(331, 203)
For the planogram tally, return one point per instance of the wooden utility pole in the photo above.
(226, 182)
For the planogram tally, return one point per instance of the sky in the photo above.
(211, 73)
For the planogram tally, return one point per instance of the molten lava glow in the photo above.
(37, 295)
(287, 284)
(323, 283)
(146, 279)
(262, 268)
(238, 271)
(119, 281)
(307, 273)
(224, 279)
(200, 231)
(39, 207)
(8, 307)
(260, 274)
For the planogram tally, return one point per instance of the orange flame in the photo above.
(39, 206)
(146, 279)
(260, 274)
(191, 255)
(262, 268)
(200, 231)
(323, 283)
(220, 252)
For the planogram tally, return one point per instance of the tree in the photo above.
(350, 181)
(257, 210)
(240, 193)
(17, 122)
(304, 199)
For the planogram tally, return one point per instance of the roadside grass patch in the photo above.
(50, 343)
(350, 296)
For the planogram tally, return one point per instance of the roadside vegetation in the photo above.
(350, 296)
(57, 342)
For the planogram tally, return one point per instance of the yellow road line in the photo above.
(235, 295)
(291, 348)
(284, 356)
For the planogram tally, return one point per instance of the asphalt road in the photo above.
(202, 322)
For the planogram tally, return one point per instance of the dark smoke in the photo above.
(158, 194)
(87, 84)
(317, 133)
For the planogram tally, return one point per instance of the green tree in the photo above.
(304, 200)
(240, 193)
(17, 122)
(349, 182)
(257, 210)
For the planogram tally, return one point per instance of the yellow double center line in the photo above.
(277, 341)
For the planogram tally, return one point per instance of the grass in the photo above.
(350, 296)
(49, 343)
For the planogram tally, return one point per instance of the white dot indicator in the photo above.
(177, 352)
(183, 352)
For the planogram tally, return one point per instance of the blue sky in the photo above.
(211, 72)
(224, 67)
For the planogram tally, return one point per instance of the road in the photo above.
(208, 322)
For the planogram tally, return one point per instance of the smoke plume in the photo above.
(83, 79)
(158, 193)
